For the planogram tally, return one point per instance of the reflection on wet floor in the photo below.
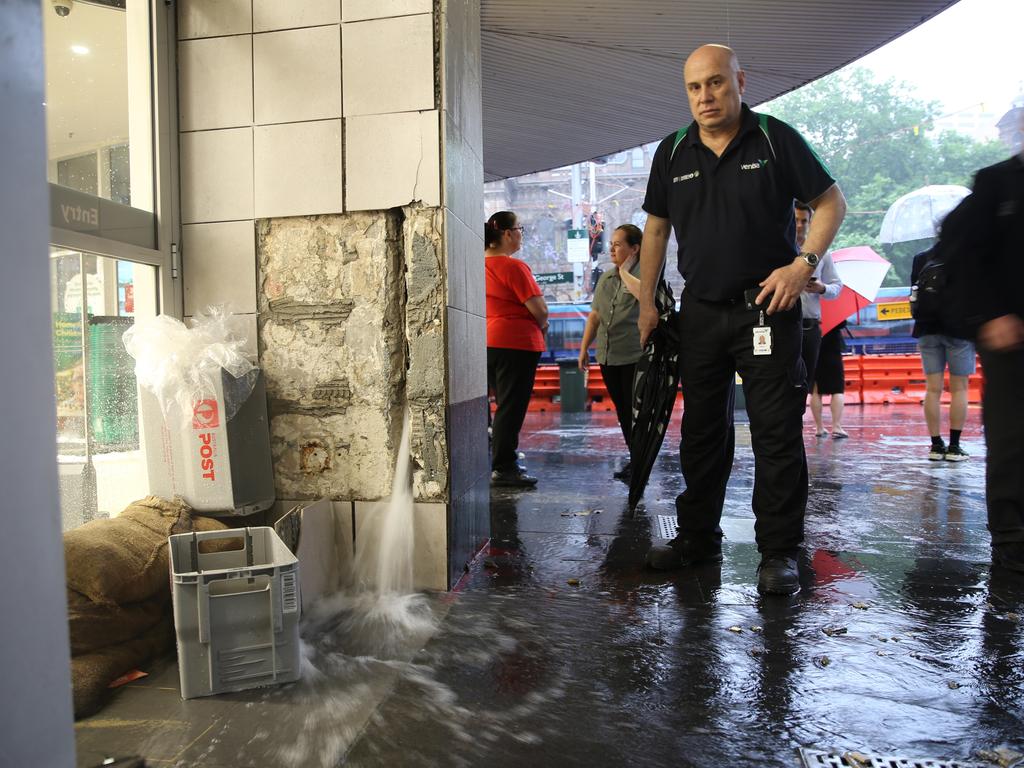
(560, 648)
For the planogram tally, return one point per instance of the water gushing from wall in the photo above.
(385, 540)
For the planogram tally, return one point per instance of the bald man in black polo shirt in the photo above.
(726, 185)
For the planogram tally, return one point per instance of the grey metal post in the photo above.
(36, 722)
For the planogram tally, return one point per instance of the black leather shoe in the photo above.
(683, 552)
(1009, 555)
(512, 478)
(777, 575)
(625, 474)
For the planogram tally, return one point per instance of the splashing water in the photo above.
(384, 541)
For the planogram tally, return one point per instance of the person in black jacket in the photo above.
(994, 273)
(943, 347)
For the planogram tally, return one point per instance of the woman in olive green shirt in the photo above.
(613, 322)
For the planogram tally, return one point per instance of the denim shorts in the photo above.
(938, 350)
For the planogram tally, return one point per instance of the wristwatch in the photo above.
(811, 259)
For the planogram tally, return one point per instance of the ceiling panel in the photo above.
(571, 80)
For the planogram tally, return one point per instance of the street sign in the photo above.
(894, 310)
(549, 278)
(579, 246)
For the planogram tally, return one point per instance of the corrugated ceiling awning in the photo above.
(570, 80)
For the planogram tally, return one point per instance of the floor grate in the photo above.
(667, 526)
(812, 758)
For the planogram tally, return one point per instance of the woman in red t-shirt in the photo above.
(517, 319)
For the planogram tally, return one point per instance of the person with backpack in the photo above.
(994, 295)
(726, 185)
(942, 340)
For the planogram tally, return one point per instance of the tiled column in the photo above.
(330, 158)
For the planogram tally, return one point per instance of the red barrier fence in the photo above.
(870, 379)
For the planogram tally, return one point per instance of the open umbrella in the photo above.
(655, 387)
(862, 271)
(917, 214)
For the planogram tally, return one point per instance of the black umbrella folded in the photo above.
(655, 386)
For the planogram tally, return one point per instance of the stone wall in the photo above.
(331, 296)
(351, 310)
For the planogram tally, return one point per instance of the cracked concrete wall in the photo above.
(332, 345)
(423, 238)
(352, 310)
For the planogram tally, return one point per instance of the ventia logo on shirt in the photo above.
(754, 166)
(686, 177)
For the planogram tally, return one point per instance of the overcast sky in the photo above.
(972, 53)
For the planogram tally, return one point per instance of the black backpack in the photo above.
(937, 299)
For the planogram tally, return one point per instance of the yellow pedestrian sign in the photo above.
(894, 310)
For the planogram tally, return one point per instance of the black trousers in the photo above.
(809, 349)
(1003, 416)
(716, 341)
(510, 374)
(618, 380)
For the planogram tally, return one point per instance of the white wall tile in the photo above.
(461, 83)
(208, 18)
(458, 354)
(359, 10)
(343, 518)
(219, 266)
(467, 355)
(430, 534)
(476, 331)
(463, 176)
(298, 169)
(388, 65)
(268, 15)
(215, 83)
(216, 175)
(297, 75)
(391, 160)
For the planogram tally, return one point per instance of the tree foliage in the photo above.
(878, 140)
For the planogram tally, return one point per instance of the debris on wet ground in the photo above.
(1002, 756)
(756, 628)
(953, 685)
(580, 513)
(883, 653)
(573, 582)
(756, 652)
(822, 661)
(1014, 617)
(860, 606)
(736, 629)
(857, 759)
(833, 630)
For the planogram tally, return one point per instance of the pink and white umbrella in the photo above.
(862, 271)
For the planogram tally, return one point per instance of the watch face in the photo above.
(811, 259)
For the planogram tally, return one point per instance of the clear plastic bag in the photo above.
(181, 365)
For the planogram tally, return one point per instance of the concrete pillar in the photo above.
(36, 726)
(332, 193)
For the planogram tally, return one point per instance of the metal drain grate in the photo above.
(667, 526)
(812, 758)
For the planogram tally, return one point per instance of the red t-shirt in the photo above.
(509, 323)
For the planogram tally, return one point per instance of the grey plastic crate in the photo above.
(236, 612)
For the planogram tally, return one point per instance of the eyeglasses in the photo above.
(519, 229)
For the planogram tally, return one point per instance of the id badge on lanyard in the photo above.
(762, 337)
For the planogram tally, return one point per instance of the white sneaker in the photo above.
(937, 453)
(956, 453)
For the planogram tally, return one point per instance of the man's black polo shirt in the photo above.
(733, 215)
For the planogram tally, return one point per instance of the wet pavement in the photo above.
(559, 648)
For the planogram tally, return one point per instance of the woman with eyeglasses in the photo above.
(613, 323)
(517, 319)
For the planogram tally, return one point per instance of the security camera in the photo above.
(62, 7)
